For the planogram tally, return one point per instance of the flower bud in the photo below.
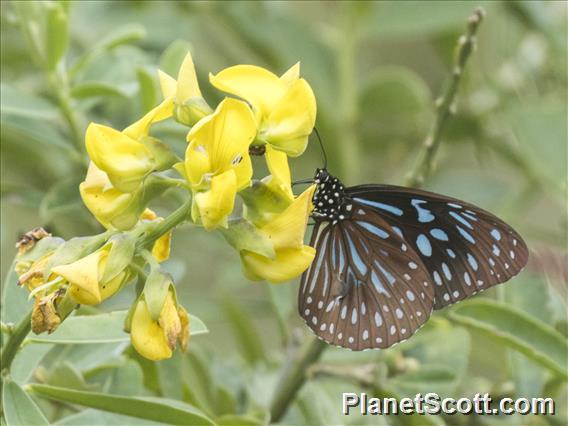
(155, 339)
(190, 107)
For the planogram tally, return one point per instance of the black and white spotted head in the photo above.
(330, 201)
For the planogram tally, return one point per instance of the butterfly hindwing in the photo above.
(464, 248)
(366, 288)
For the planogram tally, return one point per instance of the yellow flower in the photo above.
(121, 155)
(156, 339)
(286, 232)
(190, 107)
(285, 107)
(217, 163)
(111, 207)
(161, 248)
(85, 277)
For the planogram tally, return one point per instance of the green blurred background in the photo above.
(376, 69)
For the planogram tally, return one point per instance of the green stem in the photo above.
(18, 335)
(445, 104)
(294, 377)
(161, 228)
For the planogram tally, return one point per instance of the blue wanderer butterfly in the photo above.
(387, 256)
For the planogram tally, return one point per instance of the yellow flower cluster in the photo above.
(261, 112)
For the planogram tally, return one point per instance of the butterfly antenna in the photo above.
(322, 148)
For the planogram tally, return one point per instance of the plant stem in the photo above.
(293, 378)
(445, 106)
(174, 219)
(19, 333)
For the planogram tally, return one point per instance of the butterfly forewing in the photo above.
(464, 248)
(366, 288)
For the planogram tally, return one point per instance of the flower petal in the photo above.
(161, 248)
(146, 335)
(217, 203)
(105, 202)
(83, 276)
(169, 321)
(142, 126)
(279, 179)
(168, 84)
(256, 85)
(292, 74)
(197, 165)
(288, 264)
(287, 229)
(292, 120)
(125, 160)
(187, 85)
(227, 135)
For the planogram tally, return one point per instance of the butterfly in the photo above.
(387, 256)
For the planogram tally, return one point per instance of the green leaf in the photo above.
(15, 303)
(534, 338)
(147, 89)
(26, 362)
(92, 417)
(19, 408)
(60, 199)
(237, 420)
(246, 335)
(90, 89)
(128, 379)
(34, 134)
(57, 33)
(157, 409)
(171, 59)
(16, 102)
(102, 328)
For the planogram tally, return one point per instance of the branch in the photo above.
(445, 106)
(293, 378)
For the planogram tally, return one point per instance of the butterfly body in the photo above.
(387, 256)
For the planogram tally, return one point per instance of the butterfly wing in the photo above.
(465, 249)
(366, 288)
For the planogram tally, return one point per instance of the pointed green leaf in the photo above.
(172, 58)
(57, 33)
(158, 409)
(19, 408)
(102, 328)
(534, 338)
(91, 89)
(15, 303)
(147, 88)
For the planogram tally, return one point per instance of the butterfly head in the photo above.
(330, 202)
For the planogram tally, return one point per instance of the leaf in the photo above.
(237, 420)
(147, 89)
(90, 89)
(102, 328)
(67, 376)
(412, 18)
(35, 135)
(26, 362)
(101, 418)
(128, 379)
(16, 102)
(157, 409)
(15, 303)
(57, 33)
(19, 408)
(534, 338)
(246, 335)
(60, 198)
